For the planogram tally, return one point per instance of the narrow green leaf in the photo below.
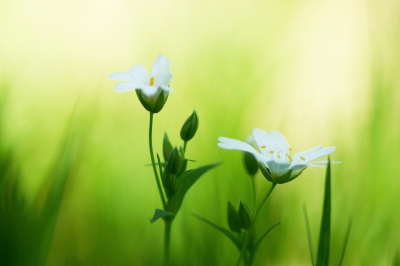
(186, 180)
(158, 213)
(226, 232)
(265, 234)
(324, 235)
(309, 236)
(346, 239)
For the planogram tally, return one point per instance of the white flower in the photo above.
(152, 90)
(273, 153)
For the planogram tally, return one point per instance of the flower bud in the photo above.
(244, 216)
(167, 147)
(153, 103)
(183, 161)
(190, 126)
(233, 218)
(170, 184)
(174, 163)
(249, 160)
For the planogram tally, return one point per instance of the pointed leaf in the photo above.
(226, 232)
(186, 180)
(264, 235)
(324, 235)
(309, 236)
(158, 213)
(346, 239)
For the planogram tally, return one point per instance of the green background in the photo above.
(321, 72)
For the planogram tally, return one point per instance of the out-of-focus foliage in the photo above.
(79, 190)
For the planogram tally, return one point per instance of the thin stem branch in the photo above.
(160, 190)
(184, 146)
(264, 200)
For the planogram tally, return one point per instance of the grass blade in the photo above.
(346, 239)
(325, 230)
(309, 236)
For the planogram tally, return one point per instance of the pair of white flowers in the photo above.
(270, 149)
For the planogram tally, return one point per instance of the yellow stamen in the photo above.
(271, 152)
(302, 158)
(151, 81)
(263, 147)
(289, 157)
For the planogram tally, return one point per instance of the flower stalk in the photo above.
(167, 240)
(160, 190)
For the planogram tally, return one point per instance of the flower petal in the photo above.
(307, 156)
(160, 70)
(234, 144)
(277, 168)
(140, 76)
(149, 90)
(121, 76)
(165, 88)
(322, 163)
(271, 141)
(163, 79)
(125, 86)
(297, 167)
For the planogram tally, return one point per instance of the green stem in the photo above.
(167, 240)
(264, 200)
(250, 232)
(184, 146)
(160, 190)
(253, 186)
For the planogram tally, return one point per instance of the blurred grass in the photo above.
(320, 72)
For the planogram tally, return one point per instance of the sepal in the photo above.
(233, 218)
(244, 216)
(153, 104)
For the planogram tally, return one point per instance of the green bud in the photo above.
(169, 181)
(183, 161)
(244, 216)
(233, 218)
(174, 162)
(249, 161)
(167, 147)
(170, 184)
(153, 103)
(190, 126)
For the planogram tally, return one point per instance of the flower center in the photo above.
(151, 81)
(279, 155)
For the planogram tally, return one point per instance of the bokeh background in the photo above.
(75, 188)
